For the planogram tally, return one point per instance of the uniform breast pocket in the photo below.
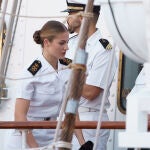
(46, 89)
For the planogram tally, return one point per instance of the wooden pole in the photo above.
(76, 81)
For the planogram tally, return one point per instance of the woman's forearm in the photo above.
(31, 140)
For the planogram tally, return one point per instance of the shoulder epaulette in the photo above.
(65, 61)
(105, 43)
(35, 67)
(73, 36)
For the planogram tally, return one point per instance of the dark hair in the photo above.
(49, 30)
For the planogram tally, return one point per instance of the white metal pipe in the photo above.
(8, 39)
(14, 32)
(23, 146)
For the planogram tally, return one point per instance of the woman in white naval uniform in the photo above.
(39, 97)
(99, 52)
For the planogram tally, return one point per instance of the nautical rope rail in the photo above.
(70, 66)
(38, 17)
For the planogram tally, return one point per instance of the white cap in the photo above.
(79, 5)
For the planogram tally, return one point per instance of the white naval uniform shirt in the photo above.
(45, 92)
(97, 66)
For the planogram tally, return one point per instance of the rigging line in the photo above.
(23, 16)
(13, 36)
(5, 49)
(61, 114)
(122, 38)
(110, 66)
(9, 78)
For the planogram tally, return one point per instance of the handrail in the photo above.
(52, 125)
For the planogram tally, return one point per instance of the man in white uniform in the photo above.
(99, 51)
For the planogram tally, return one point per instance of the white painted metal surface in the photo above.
(133, 19)
(129, 16)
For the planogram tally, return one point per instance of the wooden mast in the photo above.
(76, 81)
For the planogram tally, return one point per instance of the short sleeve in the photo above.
(98, 72)
(25, 86)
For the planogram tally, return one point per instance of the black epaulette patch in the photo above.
(106, 44)
(65, 61)
(35, 67)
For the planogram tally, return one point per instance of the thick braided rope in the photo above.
(77, 66)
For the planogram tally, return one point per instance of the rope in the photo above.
(77, 66)
(10, 78)
(103, 98)
(63, 144)
(87, 14)
(38, 17)
(61, 115)
(83, 14)
(70, 66)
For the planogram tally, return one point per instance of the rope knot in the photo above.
(77, 66)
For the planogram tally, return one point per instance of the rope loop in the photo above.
(87, 14)
(83, 14)
(77, 66)
(63, 144)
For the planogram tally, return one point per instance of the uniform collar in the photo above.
(46, 65)
(44, 62)
(94, 37)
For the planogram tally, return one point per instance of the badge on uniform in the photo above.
(65, 61)
(106, 44)
(35, 67)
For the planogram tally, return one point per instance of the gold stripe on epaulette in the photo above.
(109, 47)
(75, 8)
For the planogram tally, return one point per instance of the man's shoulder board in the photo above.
(105, 43)
(65, 61)
(35, 67)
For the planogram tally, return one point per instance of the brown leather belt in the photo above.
(42, 118)
(47, 119)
